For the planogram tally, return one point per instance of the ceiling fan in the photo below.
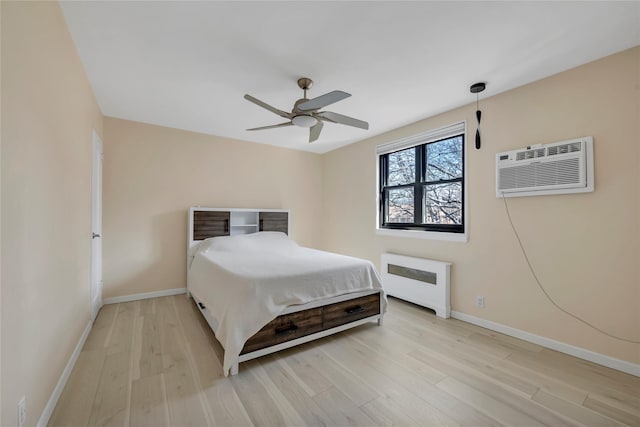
(305, 111)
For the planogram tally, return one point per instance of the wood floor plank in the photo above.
(307, 376)
(572, 411)
(614, 379)
(76, 401)
(414, 396)
(187, 342)
(615, 409)
(171, 340)
(220, 399)
(428, 335)
(285, 407)
(148, 306)
(258, 403)
(111, 401)
(505, 395)
(582, 373)
(509, 344)
(223, 404)
(454, 364)
(185, 407)
(148, 402)
(226, 407)
(149, 362)
(386, 413)
(424, 316)
(520, 377)
(341, 410)
(396, 348)
(618, 400)
(156, 362)
(548, 383)
(184, 401)
(121, 338)
(510, 373)
(419, 409)
(101, 329)
(292, 389)
(412, 378)
(503, 413)
(341, 378)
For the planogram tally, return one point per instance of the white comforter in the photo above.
(248, 280)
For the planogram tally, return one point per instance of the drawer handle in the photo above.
(284, 329)
(202, 306)
(355, 309)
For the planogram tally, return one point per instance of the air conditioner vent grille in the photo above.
(530, 154)
(559, 172)
(564, 148)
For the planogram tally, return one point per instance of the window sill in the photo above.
(419, 234)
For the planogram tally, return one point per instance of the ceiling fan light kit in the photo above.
(304, 120)
(305, 111)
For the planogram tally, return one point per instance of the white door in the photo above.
(96, 227)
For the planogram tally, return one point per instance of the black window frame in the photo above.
(419, 183)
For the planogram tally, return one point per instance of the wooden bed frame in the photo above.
(297, 324)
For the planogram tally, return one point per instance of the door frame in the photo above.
(95, 282)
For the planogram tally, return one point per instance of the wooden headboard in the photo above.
(274, 221)
(213, 222)
(210, 224)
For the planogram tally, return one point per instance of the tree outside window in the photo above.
(422, 187)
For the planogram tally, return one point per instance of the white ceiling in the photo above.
(187, 65)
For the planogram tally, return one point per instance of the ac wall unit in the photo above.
(558, 168)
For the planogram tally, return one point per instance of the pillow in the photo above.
(264, 241)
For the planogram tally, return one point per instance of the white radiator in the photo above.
(421, 281)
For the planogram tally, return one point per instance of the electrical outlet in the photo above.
(480, 301)
(22, 411)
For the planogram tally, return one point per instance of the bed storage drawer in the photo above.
(349, 311)
(285, 328)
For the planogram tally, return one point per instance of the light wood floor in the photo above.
(155, 362)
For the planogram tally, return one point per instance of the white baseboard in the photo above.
(145, 295)
(591, 356)
(57, 391)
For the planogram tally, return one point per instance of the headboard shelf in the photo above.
(213, 222)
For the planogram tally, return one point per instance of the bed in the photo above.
(260, 292)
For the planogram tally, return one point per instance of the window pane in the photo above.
(401, 167)
(400, 205)
(443, 203)
(444, 159)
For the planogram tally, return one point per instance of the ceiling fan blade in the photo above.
(343, 120)
(323, 100)
(281, 125)
(267, 106)
(314, 132)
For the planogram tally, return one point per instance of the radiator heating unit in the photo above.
(421, 281)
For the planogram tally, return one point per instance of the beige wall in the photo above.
(585, 247)
(589, 261)
(152, 175)
(48, 113)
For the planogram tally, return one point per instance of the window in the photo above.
(421, 182)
